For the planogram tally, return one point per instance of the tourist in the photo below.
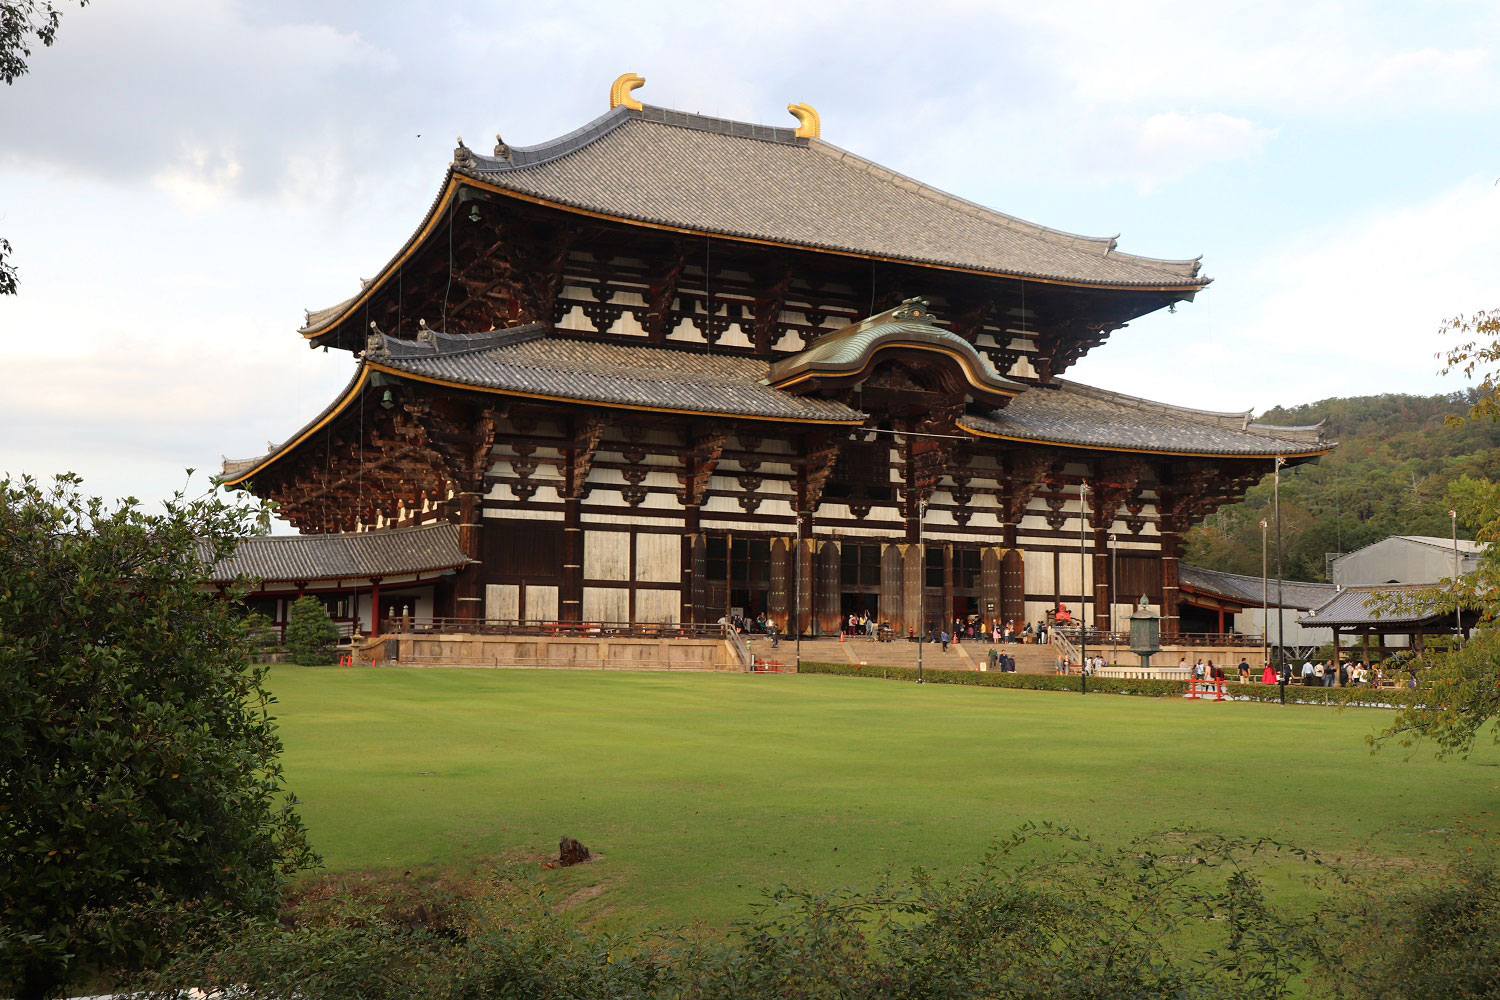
(1244, 670)
(944, 637)
(1268, 675)
(774, 633)
(1307, 673)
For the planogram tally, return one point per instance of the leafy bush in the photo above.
(1046, 912)
(310, 633)
(139, 770)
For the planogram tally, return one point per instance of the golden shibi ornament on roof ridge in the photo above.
(619, 91)
(809, 125)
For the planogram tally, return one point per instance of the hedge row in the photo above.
(1386, 698)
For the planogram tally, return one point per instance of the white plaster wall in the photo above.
(663, 606)
(658, 558)
(606, 604)
(606, 556)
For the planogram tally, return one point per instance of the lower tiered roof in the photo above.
(536, 362)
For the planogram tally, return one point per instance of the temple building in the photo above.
(667, 367)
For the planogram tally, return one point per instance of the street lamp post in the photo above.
(1458, 611)
(921, 590)
(1281, 671)
(1265, 623)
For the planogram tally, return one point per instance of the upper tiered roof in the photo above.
(684, 172)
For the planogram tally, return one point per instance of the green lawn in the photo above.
(699, 789)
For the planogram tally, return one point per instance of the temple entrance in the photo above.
(859, 580)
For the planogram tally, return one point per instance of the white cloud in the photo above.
(1344, 309)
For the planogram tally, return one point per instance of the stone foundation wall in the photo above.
(576, 653)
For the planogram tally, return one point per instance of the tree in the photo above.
(310, 633)
(1462, 684)
(22, 24)
(140, 781)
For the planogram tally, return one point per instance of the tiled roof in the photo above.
(623, 375)
(1446, 544)
(425, 548)
(1247, 589)
(710, 175)
(1385, 604)
(1074, 414)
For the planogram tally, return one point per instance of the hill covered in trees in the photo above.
(1389, 476)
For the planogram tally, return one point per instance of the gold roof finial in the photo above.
(619, 91)
(809, 126)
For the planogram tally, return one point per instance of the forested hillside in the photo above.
(1388, 476)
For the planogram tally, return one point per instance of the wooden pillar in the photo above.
(780, 600)
(1336, 657)
(1221, 619)
(1013, 580)
(947, 582)
(1365, 646)
(570, 594)
(1102, 596)
(374, 606)
(893, 586)
(689, 608)
(828, 587)
(802, 566)
(913, 576)
(991, 586)
(1171, 549)
(468, 585)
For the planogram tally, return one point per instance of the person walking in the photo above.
(1244, 670)
(944, 637)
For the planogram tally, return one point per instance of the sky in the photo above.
(180, 179)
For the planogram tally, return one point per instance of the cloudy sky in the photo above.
(181, 178)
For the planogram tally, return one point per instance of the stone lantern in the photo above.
(1145, 632)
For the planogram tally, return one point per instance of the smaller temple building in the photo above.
(363, 579)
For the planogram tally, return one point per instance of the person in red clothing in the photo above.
(1268, 675)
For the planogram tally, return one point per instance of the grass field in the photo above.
(700, 789)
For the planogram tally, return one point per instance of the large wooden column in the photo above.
(1103, 595)
(828, 587)
(692, 592)
(893, 586)
(705, 444)
(468, 585)
(802, 568)
(1171, 551)
(570, 589)
(991, 584)
(913, 591)
(780, 601)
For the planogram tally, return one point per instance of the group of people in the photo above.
(1313, 674)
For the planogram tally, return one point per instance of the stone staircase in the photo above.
(960, 656)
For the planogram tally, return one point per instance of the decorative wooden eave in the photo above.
(845, 358)
(512, 172)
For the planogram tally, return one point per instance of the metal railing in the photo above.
(554, 629)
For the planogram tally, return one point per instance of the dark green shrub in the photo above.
(139, 766)
(310, 633)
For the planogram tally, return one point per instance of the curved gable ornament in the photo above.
(620, 91)
(809, 125)
(850, 355)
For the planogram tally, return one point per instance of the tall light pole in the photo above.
(1282, 671)
(1083, 579)
(1265, 622)
(1458, 611)
(922, 589)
